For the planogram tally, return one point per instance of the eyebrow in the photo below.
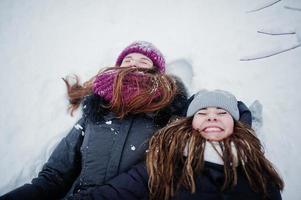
(218, 108)
(128, 57)
(140, 58)
(146, 59)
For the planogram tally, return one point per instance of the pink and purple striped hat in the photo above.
(147, 49)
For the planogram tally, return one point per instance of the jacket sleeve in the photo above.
(244, 113)
(274, 192)
(129, 185)
(59, 172)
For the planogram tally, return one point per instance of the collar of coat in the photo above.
(94, 109)
(213, 153)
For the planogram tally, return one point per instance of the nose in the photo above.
(134, 62)
(212, 117)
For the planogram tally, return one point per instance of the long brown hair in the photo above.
(77, 91)
(169, 170)
(142, 103)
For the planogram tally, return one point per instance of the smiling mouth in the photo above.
(212, 129)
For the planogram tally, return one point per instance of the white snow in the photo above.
(43, 41)
(78, 127)
(133, 148)
(109, 122)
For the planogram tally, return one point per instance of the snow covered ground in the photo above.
(232, 45)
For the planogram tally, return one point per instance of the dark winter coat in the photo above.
(133, 185)
(98, 148)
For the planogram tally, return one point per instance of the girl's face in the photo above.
(137, 60)
(213, 123)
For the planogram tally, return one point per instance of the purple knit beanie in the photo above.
(147, 49)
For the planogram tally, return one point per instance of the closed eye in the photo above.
(200, 113)
(222, 113)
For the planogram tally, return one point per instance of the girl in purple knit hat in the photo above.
(122, 107)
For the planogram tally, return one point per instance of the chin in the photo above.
(214, 139)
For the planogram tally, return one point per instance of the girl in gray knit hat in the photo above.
(222, 159)
(209, 154)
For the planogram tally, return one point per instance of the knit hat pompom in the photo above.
(147, 49)
(216, 98)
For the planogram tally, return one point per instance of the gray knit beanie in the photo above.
(215, 98)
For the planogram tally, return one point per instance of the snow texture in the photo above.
(183, 69)
(257, 121)
(43, 41)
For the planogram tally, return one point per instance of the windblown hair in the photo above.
(77, 91)
(145, 101)
(170, 170)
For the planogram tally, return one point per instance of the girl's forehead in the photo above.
(136, 55)
(212, 108)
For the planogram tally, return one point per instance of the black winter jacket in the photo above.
(99, 147)
(133, 185)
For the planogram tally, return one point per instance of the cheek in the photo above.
(144, 65)
(123, 64)
(229, 126)
(194, 126)
(196, 122)
(150, 66)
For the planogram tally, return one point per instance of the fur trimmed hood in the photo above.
(95, 107)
